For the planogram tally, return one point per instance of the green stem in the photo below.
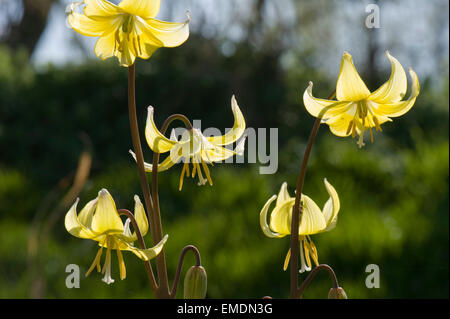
(148, 266)
(297, 209)
(161, 263)
(153, 214)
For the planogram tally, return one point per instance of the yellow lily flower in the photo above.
(128, 30)
(357, 109)
(312, 221)
(194, 147)
(100, 221)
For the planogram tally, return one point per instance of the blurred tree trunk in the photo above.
(28, 30)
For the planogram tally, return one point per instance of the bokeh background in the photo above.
(64, 133)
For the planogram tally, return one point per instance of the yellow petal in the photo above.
(312, 220)
(263, 220)
(350, 87)
(395, 88)
(73, 225)
(140, 215)
(339, 125)
(142, 8)
(280, 219)
(155, 139)
(171, 34)
(106, 47)
(106, 220)
(331, 208)
(92, 27)
(86, 214)
(100, 8)
(399, 108)
(122, 268)
(238, 128)
(321, 107)
(163, 166)
(146, 254)
(283, 195)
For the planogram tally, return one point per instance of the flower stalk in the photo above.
(153, 214)
(297, 209)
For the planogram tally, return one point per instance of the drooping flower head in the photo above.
(100, 221)
(312, 221)
(357, 109)
(128, 30)
(194, 147)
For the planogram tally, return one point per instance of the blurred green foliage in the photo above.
(394, 193)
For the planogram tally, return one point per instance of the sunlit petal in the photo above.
(263, 220)
(73, 225)
(163, 166)
(283, 195)
(400, 108)
(321, 107)
(395, 88)
(238, 128)
(142, 8)
(140, 215)
(331, 209)
(312, 220)
(280, 218)
(155, 139)
(171, 34)
(92, 27)
(100, 8)
(86, 214)
(146, 254)
(350, 86)
(106, 219)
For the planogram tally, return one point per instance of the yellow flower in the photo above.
(127, 30)
(100, 221)
(194, 147)
(357, 109)
(312, 221)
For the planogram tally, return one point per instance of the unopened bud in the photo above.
(337, 293)
(195, 283)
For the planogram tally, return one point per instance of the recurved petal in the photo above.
(395, 88)
(163, 166)
(322, 107)
(350, 86)
(142, 8)
(331, 209)
(263, 220)
(283, 195)
(238, 127)
(106, 219)
(171, 34)
(145, 254)
(100, 8)
(400, 108)
(140, 215)
(92, 27)
(74, 226)
(86, 214)
(280, 219)
(106, 46)
(312, 220)
(155, 139)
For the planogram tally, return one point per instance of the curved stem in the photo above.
(161, 262)
(313, 274)
(180, 264)
(297, 210)
(148, 267)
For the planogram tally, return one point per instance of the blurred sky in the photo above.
(415, 31)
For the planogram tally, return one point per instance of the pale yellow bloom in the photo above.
(357, 109)
(128, 30)
(100, 221)
(312, 221)
(194, 147)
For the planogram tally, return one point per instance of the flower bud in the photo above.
(337, 293)
(195, 283)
